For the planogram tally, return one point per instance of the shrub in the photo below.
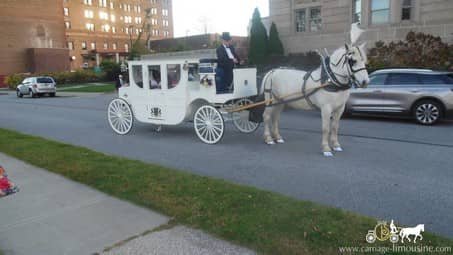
(111, 69)
(13, 80)
(66, 77)
(418, 50)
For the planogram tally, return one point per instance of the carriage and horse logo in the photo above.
(156, 112)
(383, 232)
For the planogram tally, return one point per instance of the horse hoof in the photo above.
(338, 149)
(280, 140)
(328, 154)
(270, 142)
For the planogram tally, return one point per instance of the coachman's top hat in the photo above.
(226, 36)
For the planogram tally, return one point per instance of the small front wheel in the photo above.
(120, 116)
(209, 124)
(241, 119)
(19, 94)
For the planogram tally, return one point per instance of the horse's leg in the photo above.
(267, 118)
(336, 116)
(275, 123)
(326, 113)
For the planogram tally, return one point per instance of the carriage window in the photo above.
(173, 75)
(154, 77)
(193, 72)
(137, 75)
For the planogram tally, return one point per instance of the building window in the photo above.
(105, 28)
(93, 45)
(153, 11)
(164, 12)
(112, 18)
(406, 10)
(165, 23)
(70, 45)
(380, 11)
(84, 45)
(89, 14)
(102, 3)
(315, 19)
(66, 11)
(154, 22)
(356, 11)
(89, 26)
(114, 46)
(103, 15)
(126, 47)
(126, 30)
(106, 46)
(300, 20)
(88, 2)
(111, 5)
(67, 24)
(114, 30)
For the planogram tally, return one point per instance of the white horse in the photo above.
(416, 232)
(346, 66)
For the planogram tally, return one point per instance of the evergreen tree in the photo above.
(258, 40)
(275, 45)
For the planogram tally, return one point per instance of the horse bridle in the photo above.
(350, 68)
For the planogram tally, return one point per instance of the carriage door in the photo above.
(155, 94)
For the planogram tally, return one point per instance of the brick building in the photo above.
(105, 29)
(32, 32)
(306, 25)
(56, 35)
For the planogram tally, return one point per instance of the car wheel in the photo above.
(52, 94)
(427, 112)
(19, 94)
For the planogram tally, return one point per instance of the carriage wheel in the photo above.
(241, 119)
(208, 124)
(120, 116)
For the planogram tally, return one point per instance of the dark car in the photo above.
(425, 95)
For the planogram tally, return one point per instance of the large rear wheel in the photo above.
(209, 124)
(120, 116)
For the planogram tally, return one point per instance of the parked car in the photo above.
(425, 95)
(37, 86)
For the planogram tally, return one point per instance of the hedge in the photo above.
(78, 76)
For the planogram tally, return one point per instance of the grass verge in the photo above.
(91, 89)
(267, 222)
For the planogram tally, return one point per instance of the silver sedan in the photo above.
(425, 95)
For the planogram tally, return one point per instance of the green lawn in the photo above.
(91, 88)
(267, 222)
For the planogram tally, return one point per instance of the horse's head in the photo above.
(350, 61)
(356, 59)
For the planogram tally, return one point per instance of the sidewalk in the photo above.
(53, 215)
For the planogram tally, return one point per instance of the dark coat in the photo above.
(223, 61)
(118, 83)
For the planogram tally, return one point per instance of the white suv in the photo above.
(37, 86)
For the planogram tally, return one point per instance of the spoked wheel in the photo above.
(120, 116)
(208, 124)
(241, 119)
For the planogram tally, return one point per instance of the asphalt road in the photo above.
(390, 169)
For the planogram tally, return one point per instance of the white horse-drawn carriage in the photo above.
(169, 89)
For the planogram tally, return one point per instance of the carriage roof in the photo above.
(178, 57)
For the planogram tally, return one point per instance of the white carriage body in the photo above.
(180, 93)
